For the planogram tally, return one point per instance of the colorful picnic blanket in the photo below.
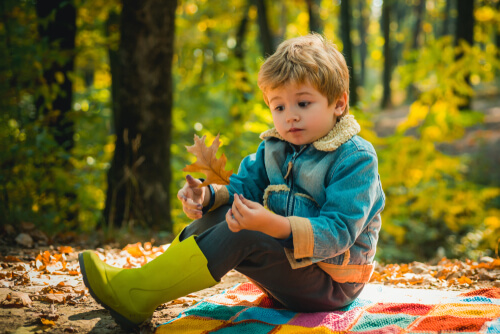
(379, 309)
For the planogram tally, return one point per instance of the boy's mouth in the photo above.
(294, 130)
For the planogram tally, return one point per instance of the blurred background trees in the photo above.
(98, 99)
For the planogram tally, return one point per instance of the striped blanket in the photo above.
(379, 309)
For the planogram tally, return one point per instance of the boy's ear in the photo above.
(341, 104)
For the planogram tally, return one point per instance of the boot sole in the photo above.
(124, 323)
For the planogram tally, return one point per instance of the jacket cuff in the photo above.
(303, 237)
(221, 195)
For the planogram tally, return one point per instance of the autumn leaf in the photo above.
(47, 322)
(135, 250)
(16, 299)
(207, 162)
(65, 249)
(464, 280)
(10, 258)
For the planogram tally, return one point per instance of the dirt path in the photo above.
(482, 135)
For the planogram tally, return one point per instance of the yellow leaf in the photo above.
(65, 249)
(59, 77)
(47, 322)
(207, 163)
(464, 280)
(135, 250)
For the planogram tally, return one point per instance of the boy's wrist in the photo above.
(280, 227)
(207, 196)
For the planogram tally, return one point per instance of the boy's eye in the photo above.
(304, 104)
(278, 108)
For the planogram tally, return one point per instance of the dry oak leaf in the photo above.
(16, 299)
(207, 163)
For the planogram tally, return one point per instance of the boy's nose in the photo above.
(292, 117)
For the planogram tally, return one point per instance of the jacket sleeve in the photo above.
(353, 197)
(250, 181)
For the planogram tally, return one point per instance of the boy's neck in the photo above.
(297, 148)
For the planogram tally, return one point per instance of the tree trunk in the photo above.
(418, 24)
(266, 37)
(386, 80)
(411, 91)
(140, 175)
(239, 52)
(363, 49)
(497, 37)
(314, 19)
(497, 33)
(57, 28)
(112, 29)
(465, 33)
(345, 20)
(399, 10)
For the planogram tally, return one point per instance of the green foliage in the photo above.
(430, 199)
(39, 181)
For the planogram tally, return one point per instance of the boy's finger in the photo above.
(245, 201)
(192, 182)
(248, 203)
(242, 208)
(229, 217)
(188, 202)
(192, 213)
(236, 213)
(232, 224)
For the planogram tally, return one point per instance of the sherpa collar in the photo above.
(344, 130)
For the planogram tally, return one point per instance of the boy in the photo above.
(300, 219)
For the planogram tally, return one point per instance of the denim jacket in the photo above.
(329, 190)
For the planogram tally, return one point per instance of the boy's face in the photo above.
(301, 114)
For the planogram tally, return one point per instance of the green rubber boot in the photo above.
(132, 295)
(176, 240)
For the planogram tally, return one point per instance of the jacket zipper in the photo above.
(289, 175)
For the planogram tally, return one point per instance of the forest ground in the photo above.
(41, 289)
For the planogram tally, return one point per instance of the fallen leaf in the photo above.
(10, 258)
(464, 280)
(207, 162)
(47, 322)
(65, 249)
(16, 300)
(135, 250)
(184, 301)
(52, 298)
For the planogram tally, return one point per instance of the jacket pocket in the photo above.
(275, 197)
(305, 206)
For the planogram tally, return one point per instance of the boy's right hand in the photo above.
(192, 197)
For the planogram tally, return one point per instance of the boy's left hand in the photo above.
(249, 215)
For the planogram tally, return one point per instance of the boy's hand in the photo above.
(249, 215)
(192, 197)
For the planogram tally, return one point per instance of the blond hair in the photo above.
(311, 59)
